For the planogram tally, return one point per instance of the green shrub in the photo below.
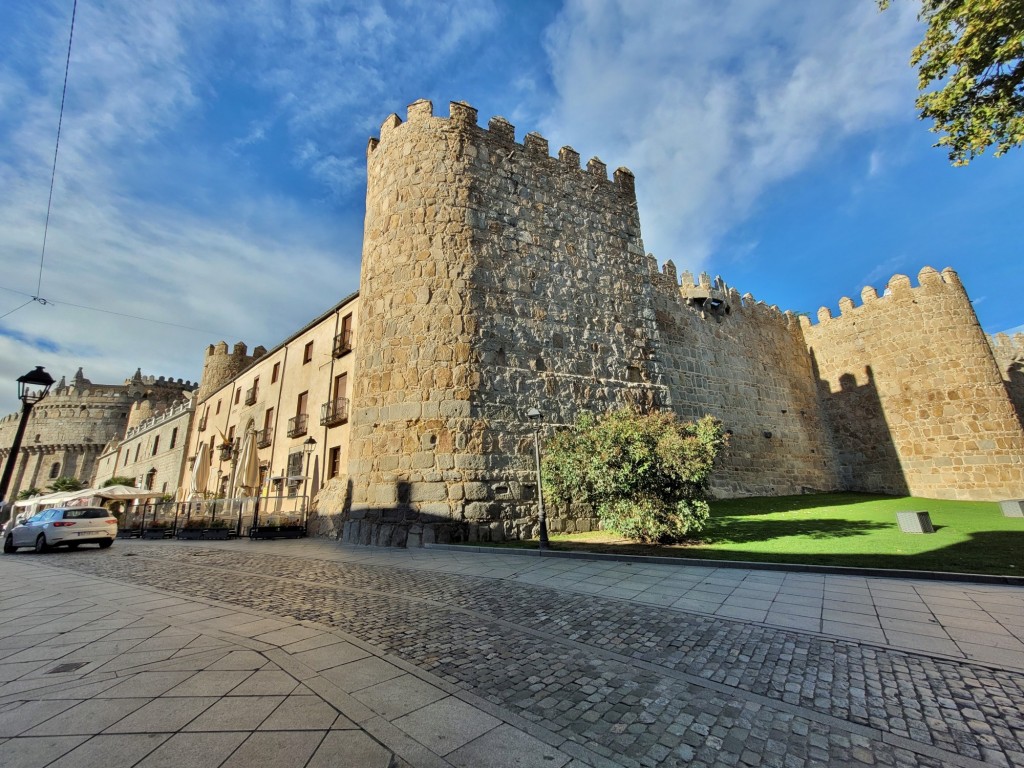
(645, 475)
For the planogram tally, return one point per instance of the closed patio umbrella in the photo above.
(249, 465)
(200, 471)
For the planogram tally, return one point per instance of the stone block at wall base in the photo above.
(1012, 507)
(390, 533)
(326, 526)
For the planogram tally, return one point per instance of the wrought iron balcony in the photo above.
(202, 423)
(334, 412)
(297, 425)
(343, 343)
(250, 396)
(264, 437)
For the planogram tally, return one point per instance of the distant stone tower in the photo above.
(495, 278)
(914, 395)
(221, 366)
(68, 430)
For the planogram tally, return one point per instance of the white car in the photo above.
(63, 526)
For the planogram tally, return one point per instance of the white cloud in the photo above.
(711, 104)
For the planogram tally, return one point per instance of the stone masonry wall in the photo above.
(1009, 354)
(495, 278)
(747, 364)
(914, 395)
(69, 429)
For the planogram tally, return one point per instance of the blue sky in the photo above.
(211, 171)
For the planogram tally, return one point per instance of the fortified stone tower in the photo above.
(495, 278)
(914, 395)
(220, 366)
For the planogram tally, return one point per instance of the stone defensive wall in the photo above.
(73, 424)
(495, 278)
(913, 394)
(746, 363)
(1009, 354)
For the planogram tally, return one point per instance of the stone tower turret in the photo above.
(495, 278)
(220, 366)
(911, 370)
(140, 411)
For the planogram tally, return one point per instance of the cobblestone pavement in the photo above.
(613, 682)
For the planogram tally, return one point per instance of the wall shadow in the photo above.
(1015, 388)
(990, 552)
(862, 441)
(770, 505)
(742, 531)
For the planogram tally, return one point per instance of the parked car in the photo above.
(63, 526)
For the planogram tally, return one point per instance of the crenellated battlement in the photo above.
(501, 133)
(222, 365)
(899, 290)
(1008, 346)
(160, 417)
(714, 298)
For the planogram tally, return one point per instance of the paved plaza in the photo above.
(308, 653)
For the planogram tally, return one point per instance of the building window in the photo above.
(218, 408)
(341, 386)
(137, 447)
(307, 353)
(164, 489)
(268, 418)
(300, 404)
(238, 396)
(276, 372)
(334, 462)
(174, 438)
(150, 479)
(55, 471)
(156, 445)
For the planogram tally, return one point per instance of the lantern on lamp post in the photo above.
(32, 387)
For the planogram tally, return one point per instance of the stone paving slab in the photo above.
(240, 705)
(482, 637)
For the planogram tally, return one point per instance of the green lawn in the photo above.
(850, 529)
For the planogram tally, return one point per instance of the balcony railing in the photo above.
(202, 423)
(264, 437)
(343, 343)
(250, 396)
(334, 412)
(297, 425)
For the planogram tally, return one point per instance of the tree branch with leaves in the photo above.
(971, 74)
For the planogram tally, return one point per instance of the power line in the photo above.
(53, 173)
(5, 314)
(48, 302)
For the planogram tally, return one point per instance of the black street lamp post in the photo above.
(534, 416)
(308, 446)
(29, 397)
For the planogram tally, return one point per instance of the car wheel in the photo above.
(9, 544)
(41, 544)
(105, 544)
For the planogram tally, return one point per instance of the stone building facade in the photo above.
(68, 431)
(295, 392)
(497, 278)
(153, 449)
